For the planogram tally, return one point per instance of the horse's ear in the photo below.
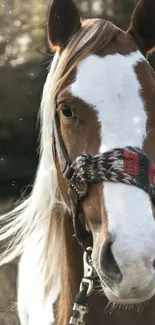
(63, 23)
(143, 24)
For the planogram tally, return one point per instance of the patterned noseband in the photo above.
(130, 166)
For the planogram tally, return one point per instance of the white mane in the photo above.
(31, 219)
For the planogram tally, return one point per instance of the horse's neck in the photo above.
(71, 271)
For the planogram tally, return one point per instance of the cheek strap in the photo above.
(80, 232)
(64, 160)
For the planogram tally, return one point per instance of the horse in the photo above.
(94, 189)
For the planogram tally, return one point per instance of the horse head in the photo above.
(104, 99)
(96, 167)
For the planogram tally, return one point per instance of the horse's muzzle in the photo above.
(129, 284)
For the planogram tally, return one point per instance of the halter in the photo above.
(130, 166)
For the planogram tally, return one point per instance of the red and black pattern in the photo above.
(131, 163)
(140, 166)
(130, 166)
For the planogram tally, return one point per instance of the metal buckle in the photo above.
(79, 313)
(88, 272)
(81, 307)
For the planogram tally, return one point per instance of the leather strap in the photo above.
(65, 165)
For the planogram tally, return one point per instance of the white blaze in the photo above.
(111, 86)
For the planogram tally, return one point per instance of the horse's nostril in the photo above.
(108, 263)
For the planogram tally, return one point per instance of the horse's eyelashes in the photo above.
(67, 112)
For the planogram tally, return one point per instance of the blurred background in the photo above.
(24, 61)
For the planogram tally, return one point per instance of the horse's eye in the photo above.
(67, 112)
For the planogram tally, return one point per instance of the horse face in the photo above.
(105, 104)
